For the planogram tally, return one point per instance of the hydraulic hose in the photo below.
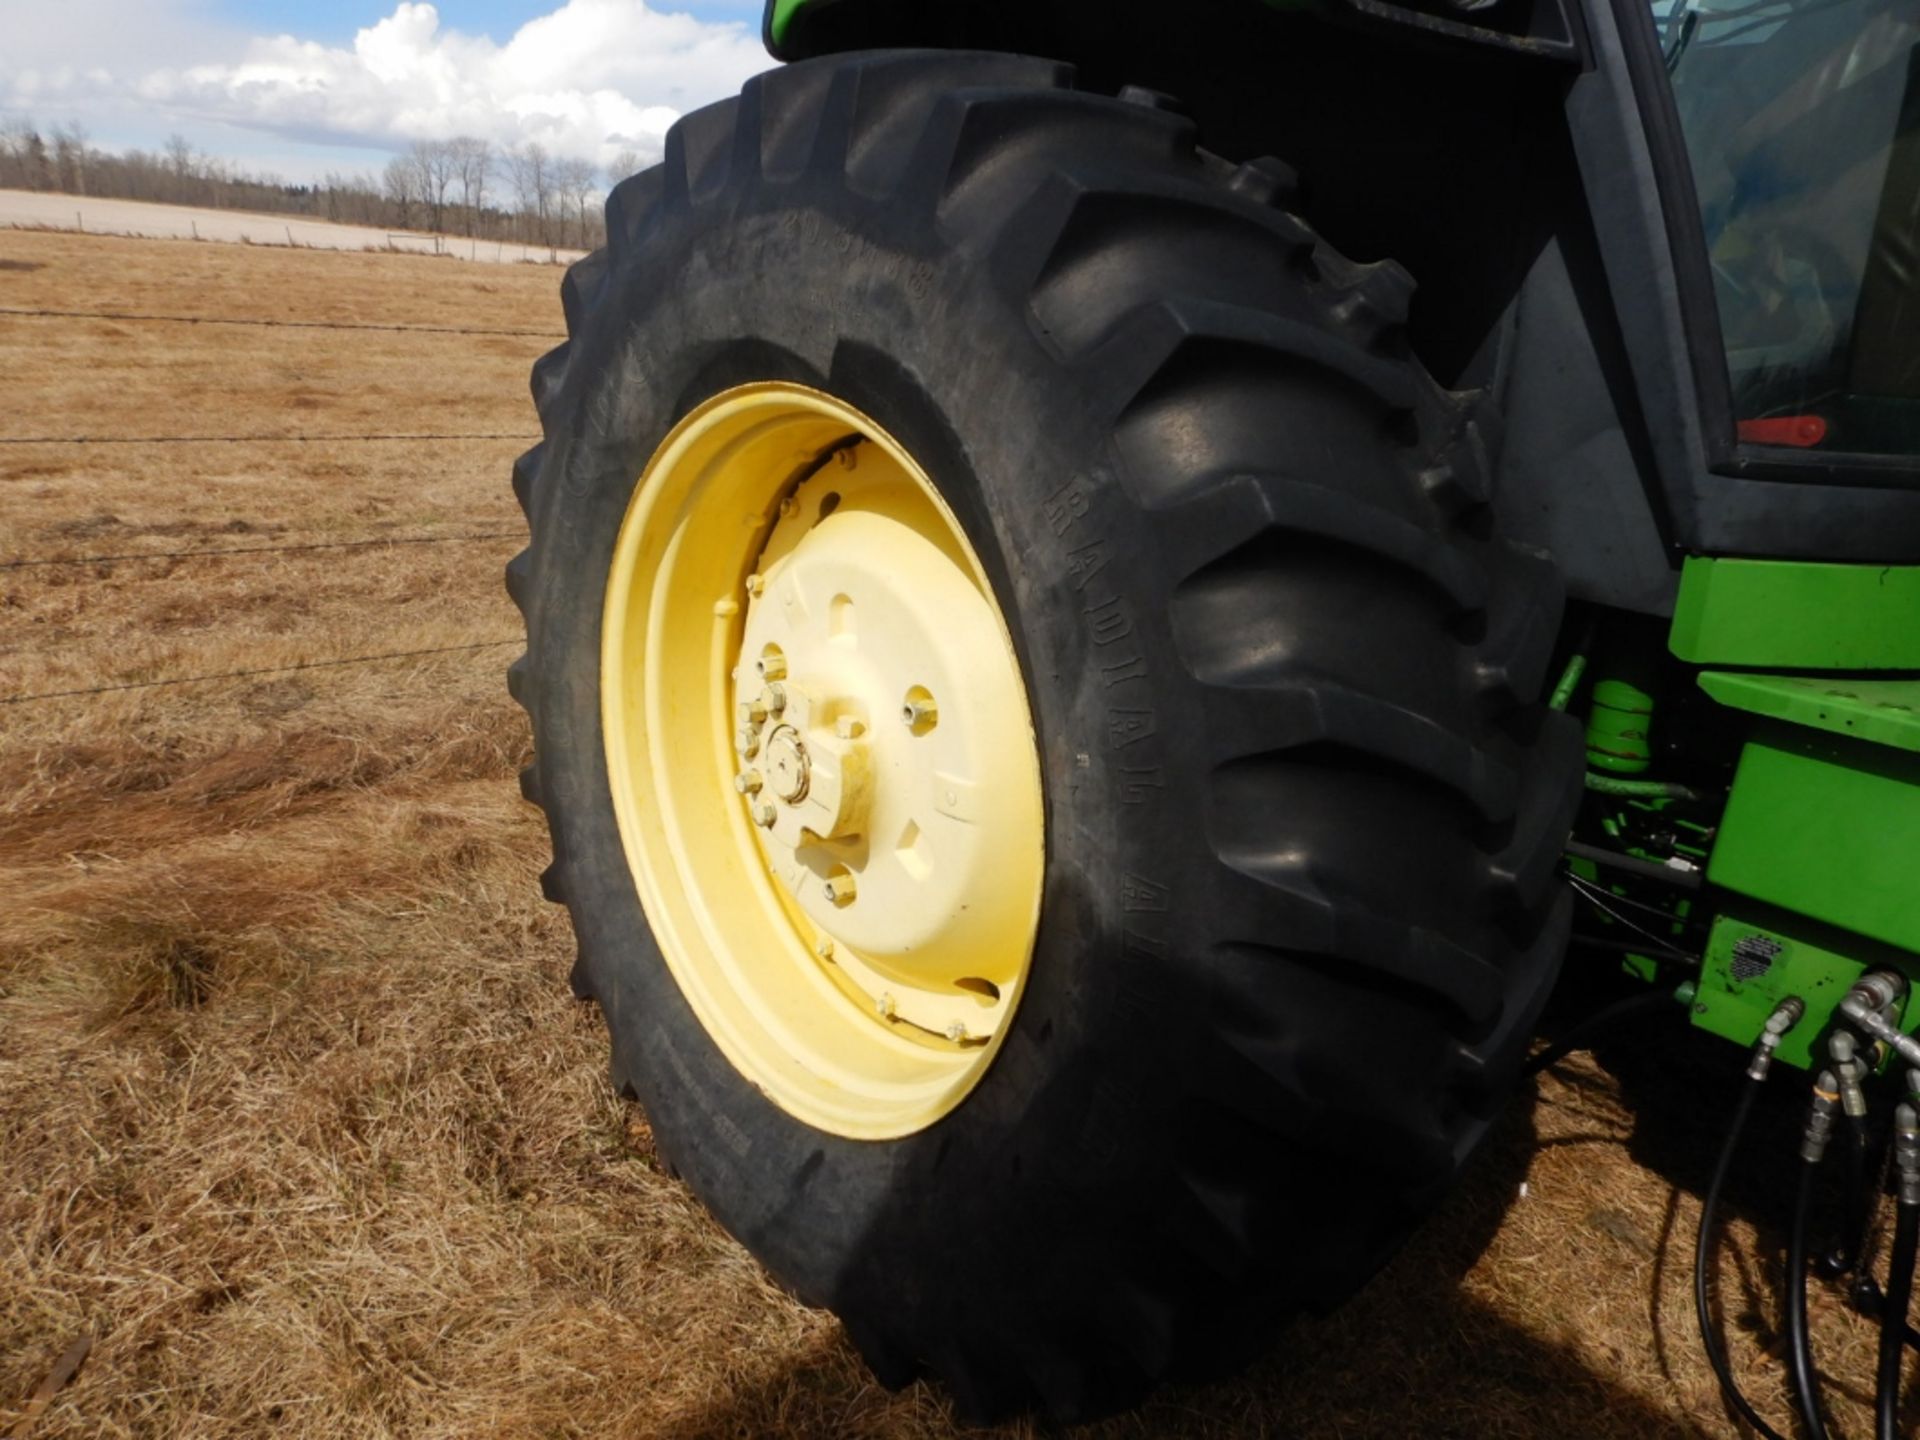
(1785, 1016)
(1703, 1259)
(1582, 1033)
(1813, 1147)
(1859, 1201)
(1906, 1246)
(1806, 1381)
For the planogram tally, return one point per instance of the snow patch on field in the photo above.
(41, 210)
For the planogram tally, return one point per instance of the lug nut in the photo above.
(885, 1006)
(752, 712)
(772, 666)
(956, 1032)
(839, 889)
(919, 712)
(747, 741)
(824, 949)
(774, 697)
(764, 814)
(747, 782)
(756, 584)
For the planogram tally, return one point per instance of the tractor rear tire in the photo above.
(1302, 804)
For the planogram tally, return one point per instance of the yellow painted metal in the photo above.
(822, 760)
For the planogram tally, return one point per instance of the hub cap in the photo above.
(822, 761)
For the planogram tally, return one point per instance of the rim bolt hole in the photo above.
(918, 710)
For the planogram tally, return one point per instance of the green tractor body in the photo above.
(1447, 477)
(1698, 296)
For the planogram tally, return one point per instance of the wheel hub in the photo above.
(822, 760)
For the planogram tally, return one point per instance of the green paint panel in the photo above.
(1828, 827)
(782, 17)
(1749, 968)
(1788, 615)
(1884, 712)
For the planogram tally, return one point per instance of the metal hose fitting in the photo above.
(1785, 1016)
(1820, 1118)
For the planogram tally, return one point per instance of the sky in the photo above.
(301, 88)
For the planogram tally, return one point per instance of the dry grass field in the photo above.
(298, 1120)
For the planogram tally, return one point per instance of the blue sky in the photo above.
(336, 23)
(301, 89)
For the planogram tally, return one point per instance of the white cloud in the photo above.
(588, 79)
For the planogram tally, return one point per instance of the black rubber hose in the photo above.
(1631, 865)
(1703, 1257)
(1853, 1236)
(1806, 1381)
(1893, 1321)
(1582, 1033)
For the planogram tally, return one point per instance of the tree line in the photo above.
(464, 186)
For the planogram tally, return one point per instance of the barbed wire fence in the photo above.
(206, 553)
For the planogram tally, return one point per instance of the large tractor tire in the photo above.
(1040, 741)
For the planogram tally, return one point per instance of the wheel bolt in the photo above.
(839, 889)
(747, 782)
(773, 666)
(918, 712)
(756, 584)
(752, 712)
(764, 814)
(775, 698)
(747, 741)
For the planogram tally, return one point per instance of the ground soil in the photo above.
(298, 1119)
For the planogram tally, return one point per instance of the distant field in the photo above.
(39, 209)
(297, 1117)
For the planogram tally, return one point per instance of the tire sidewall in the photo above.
(1044, 1164)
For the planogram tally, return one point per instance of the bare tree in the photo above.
(576, 181)
(405, 188)
(70, 157)
(433, 163)
(627, 162)
(16, 142)
(473, 166)
(530, 169)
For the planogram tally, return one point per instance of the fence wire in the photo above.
(249, 439)
(264, 670)
(28, 313)
(260, 549)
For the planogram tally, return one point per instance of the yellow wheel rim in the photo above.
(822, 761)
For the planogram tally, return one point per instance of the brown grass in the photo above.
(297, 1116)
